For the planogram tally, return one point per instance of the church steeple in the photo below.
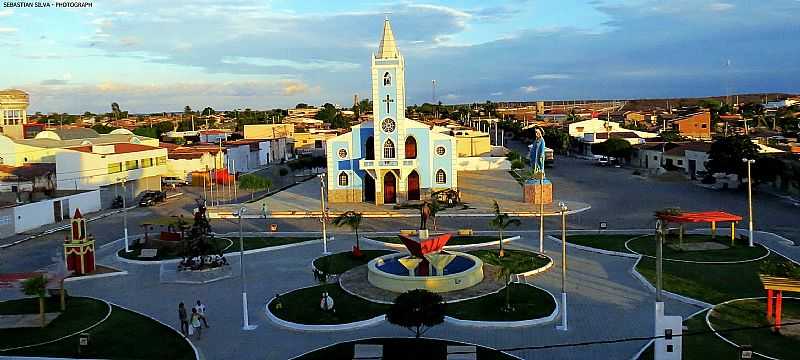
(388, 47)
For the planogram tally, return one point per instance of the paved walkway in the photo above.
(605, 302)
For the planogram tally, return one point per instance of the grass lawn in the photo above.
(740, 251)
(343, 261)
(121, 336)
(601, 241)
(748, 313)
(524, 260)
(402, 349)
(712, 283)
(700, 346)
(529, 303)
(455, 240)
(81, 313)
(302, 306)
(250, 243)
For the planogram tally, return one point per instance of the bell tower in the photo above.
(388, 96)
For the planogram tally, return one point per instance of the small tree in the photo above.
(726, 155)
(435, 207)
(352, 220)
(36, 286)
(254, 182)
(417, 310)
(613, 147)
(501, 222)
(505, 268)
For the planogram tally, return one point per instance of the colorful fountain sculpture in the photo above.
(426, 265)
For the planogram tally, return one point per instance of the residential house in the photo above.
(693, 126)
(280, 137)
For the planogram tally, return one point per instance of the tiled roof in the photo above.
(27, 171)
(121, 148)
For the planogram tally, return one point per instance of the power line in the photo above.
(616, 341)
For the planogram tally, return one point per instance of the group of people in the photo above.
(191, 323)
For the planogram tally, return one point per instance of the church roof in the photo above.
(388, 46)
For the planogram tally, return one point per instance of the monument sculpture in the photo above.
(538, 189)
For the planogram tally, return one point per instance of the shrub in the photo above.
(517, 164)
(283, 171)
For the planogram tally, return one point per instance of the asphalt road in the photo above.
(615, 195)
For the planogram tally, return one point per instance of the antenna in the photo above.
(386, 15)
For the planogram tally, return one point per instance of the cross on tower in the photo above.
(388, 101)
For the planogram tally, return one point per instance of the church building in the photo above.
(391, 159)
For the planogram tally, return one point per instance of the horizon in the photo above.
(157, 56)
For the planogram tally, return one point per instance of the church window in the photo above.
(441, 177)
(440, 150)
(411, 148)
(342, 153)
(343, 179)
(388, 125)
(387, 79)
(388, 149)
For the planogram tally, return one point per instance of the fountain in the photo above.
(426, 266)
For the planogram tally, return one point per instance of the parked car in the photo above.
(172, 180)
(151, 197)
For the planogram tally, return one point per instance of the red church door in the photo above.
(413, 186)
(389, 186)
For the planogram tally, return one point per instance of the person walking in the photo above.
(184, 319)
(196, 324)
(201, 310)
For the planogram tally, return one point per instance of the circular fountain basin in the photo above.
(387, 273)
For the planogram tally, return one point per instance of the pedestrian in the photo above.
(201, 310)
(264, 209)
(196, 323)
(184, 319)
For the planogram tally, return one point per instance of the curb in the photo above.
(701, 262)
(509, 324)
(669, 294)
(118, 272)
(407, 337)
(232, 254)
(319, 328)
(594, 250)
(708, 322)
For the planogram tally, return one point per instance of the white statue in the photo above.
(326, 302)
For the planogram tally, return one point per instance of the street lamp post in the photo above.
(245, 319)
(564, 209)
(124, 213)
(749, 201)
(324, 213)
(661, 232)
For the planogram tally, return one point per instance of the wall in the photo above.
(700, 159)
(77, 170)
(482, 163)
(7, 222)
(697, 126)
(268, 131)
(31, 216)
(473, 145)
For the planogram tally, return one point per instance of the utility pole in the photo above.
(245, 319)
(124, 213)
(563, 326)
(323, 218)
(749, 202)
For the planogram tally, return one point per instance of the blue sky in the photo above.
(160, 55)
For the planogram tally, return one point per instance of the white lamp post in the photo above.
(124, 213)
(563, 326)
(749, 201)
(245, 319)
(323, 216)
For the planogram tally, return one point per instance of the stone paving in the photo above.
(605, 302)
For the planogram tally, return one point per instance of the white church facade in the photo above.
(390, 159)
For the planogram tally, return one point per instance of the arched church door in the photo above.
(369, 188)
(369, 149)
(413, 186)
(389, 188)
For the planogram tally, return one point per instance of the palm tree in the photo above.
(36, 286)
(500, 222)
(352, 220)
(435, 207)
(505, 268)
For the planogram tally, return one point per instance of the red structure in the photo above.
(79, 254)
(712, 217)
(775, 286)
(420, 247)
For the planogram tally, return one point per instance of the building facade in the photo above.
(390, 159)
(694, 126)
(13, 113)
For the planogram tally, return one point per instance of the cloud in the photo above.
(551, 77)
(719, 6)
(298, 65)
(451, 97)
(8, 30)
(497, 93)
(52, 82)
(6, 12)
(529, 89)
(129, 41)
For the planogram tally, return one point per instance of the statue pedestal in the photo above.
(538, 192)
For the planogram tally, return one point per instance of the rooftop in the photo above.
(121, 148)
(27, 171)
